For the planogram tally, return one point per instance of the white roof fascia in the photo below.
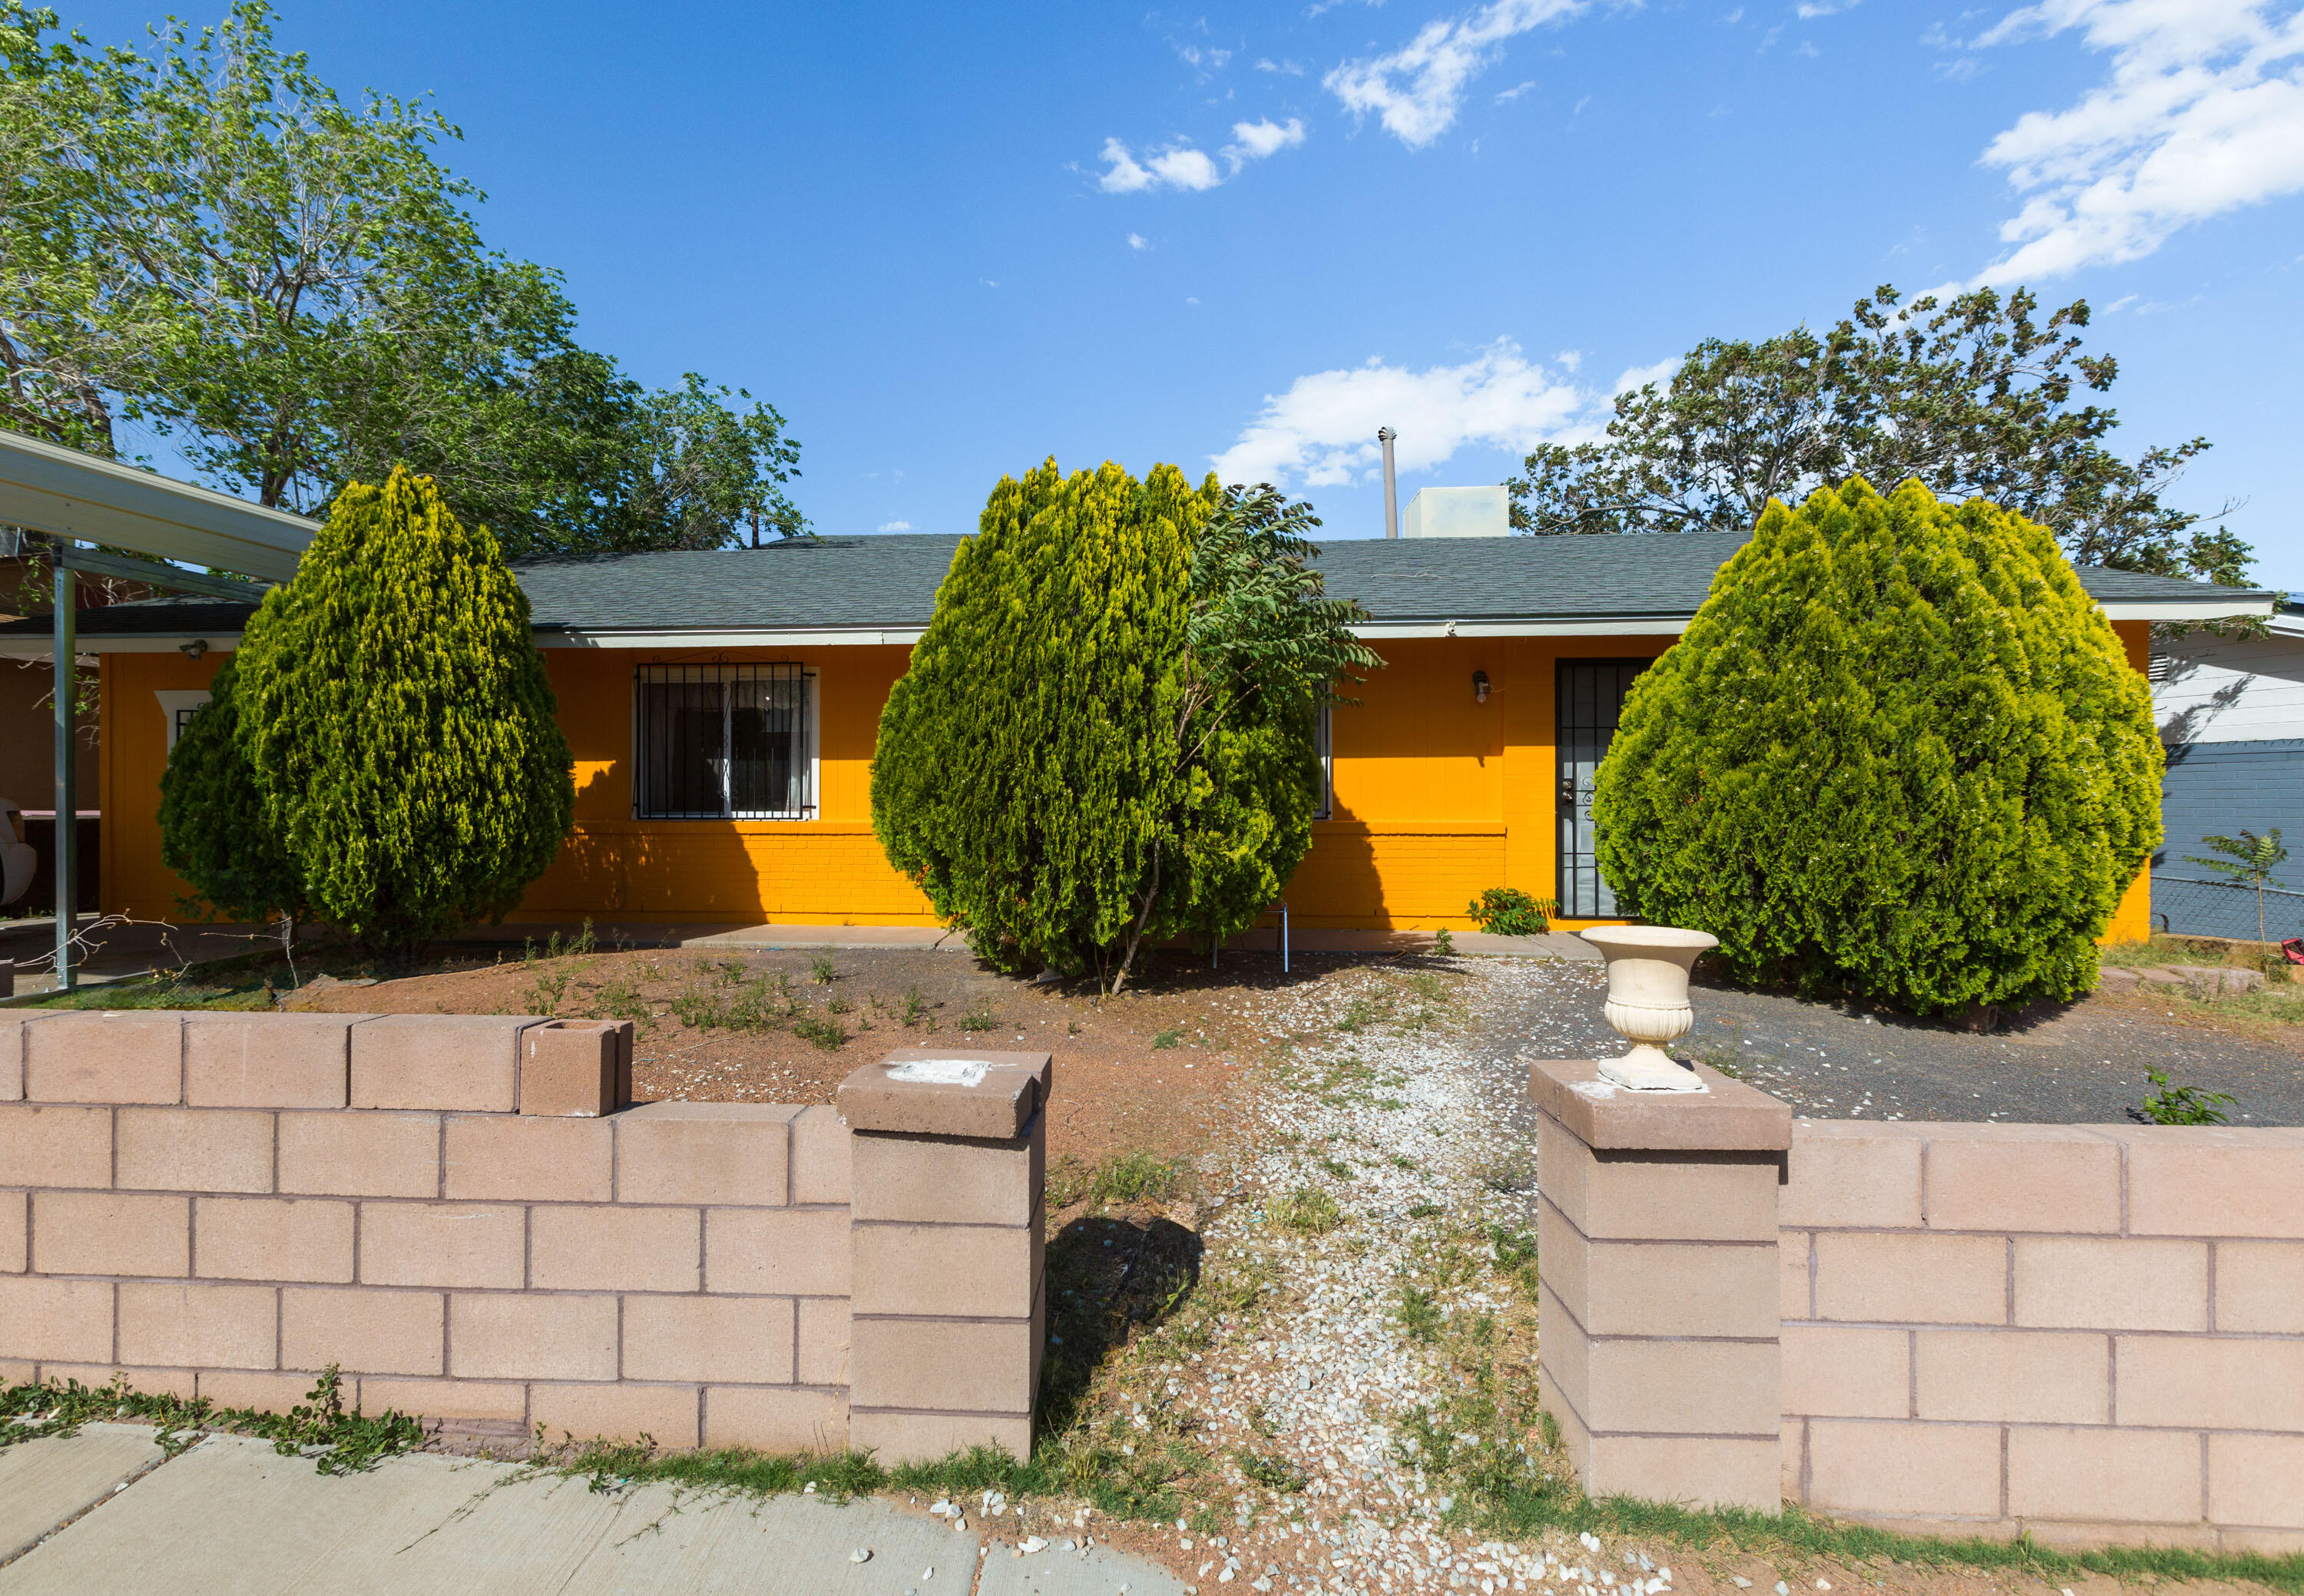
(66, 493)
(822, 637)
(23, 646)
(2186, 609)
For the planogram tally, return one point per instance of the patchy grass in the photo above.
(1125, 1178)
(338, 1442)
(1307, 1210)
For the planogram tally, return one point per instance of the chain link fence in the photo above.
(2188, 906)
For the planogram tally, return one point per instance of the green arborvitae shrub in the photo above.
(213, 830)
(1899, 754)
(1028, 758)
(1105, 737)
(395, 713)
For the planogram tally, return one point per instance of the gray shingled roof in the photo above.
(890, 581)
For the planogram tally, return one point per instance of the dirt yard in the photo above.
(1149, 1072)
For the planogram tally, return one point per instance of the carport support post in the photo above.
(1658, 1296)
(64, 631)
(948, 1155)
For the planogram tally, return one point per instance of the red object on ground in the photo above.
(2292, 950)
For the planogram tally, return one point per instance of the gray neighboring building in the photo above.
(2230, 711)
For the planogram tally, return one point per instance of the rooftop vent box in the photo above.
(1457, 513)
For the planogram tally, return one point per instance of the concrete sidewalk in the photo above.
(104, 1511)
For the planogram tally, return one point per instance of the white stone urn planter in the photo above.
(1648, 1001)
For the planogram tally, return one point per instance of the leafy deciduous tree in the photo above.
(1973, 397)
(208, 242)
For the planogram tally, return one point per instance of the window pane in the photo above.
(763, 730)
(683, 724)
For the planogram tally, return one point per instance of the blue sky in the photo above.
(947, 242)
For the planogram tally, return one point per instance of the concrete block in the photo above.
(2212, 1382)
(90, 1057)
(1911, 1278)
(791, 1251)
(349, 1154)
(2256, 1481)
(463, 1062)
(15, 1231)
(2135, 1476)
(192, 1149)
(573, 1068)
(440, 1243)
(614, 1247)
(265, 1393)
(268, 1061)
(1843, 1173)
(623, 1411)
(2213, 1180)
(367, 1331)
(902, 1437)
(500, 1401)
(2112, 1283)
(516, 1158)
(55, 1147)
(708, 1339)
(1795, 1288)
(965, 1271)
(931, 1180)
(979, 1366)
(108, 1233)
(995, 1101)
(2260, 1286)
(67, 1322)
(272, 1238)
(199, 1325)
(705, 1153)
(820, 1156)
(532, 1337)
(1920, 1470)
(2022, 1178)
(772, 1420)
(1845, 1372)
(2027, 1377)
(823, 1342)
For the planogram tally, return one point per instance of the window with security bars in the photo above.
(1324, 749)
(724, 743)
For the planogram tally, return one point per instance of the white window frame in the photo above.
(177, 707)
(1323, 748)
(811, 798)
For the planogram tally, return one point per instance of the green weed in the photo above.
(828, 1034)
(338, 1442)
(1166, 1039)
(2183, 1105)
(820, 970)
(1308, 1210)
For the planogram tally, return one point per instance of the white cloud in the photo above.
(1640, 376)
(1416, 89)
(1321, 431)
(1179, 165)
(895, 526)
(1515, 91)
(1256, 140)
(1176, 166)
(1136, 240)
(2202, 114)
(1808, 11)
(1289, 67)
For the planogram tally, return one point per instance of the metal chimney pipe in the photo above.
(1385, 434)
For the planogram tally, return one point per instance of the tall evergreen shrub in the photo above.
(395, 713)
(1899, 753)
(1105, 737)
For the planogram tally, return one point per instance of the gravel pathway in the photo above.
(1427, 1143)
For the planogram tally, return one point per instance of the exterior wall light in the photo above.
(195, 648)
(1480, 687)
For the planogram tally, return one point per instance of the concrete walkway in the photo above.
(103, 1510)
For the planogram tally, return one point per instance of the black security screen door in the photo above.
(1591, 695)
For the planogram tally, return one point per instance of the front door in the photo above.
(1590, 696)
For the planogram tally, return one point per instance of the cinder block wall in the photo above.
(2093, 1333)
(456, 1211)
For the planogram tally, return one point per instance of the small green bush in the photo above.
(1899, 754)
(1508, 911)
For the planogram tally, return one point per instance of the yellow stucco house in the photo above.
(721, 708)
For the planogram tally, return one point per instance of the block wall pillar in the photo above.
(948, 1152)
(1659, 1291)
